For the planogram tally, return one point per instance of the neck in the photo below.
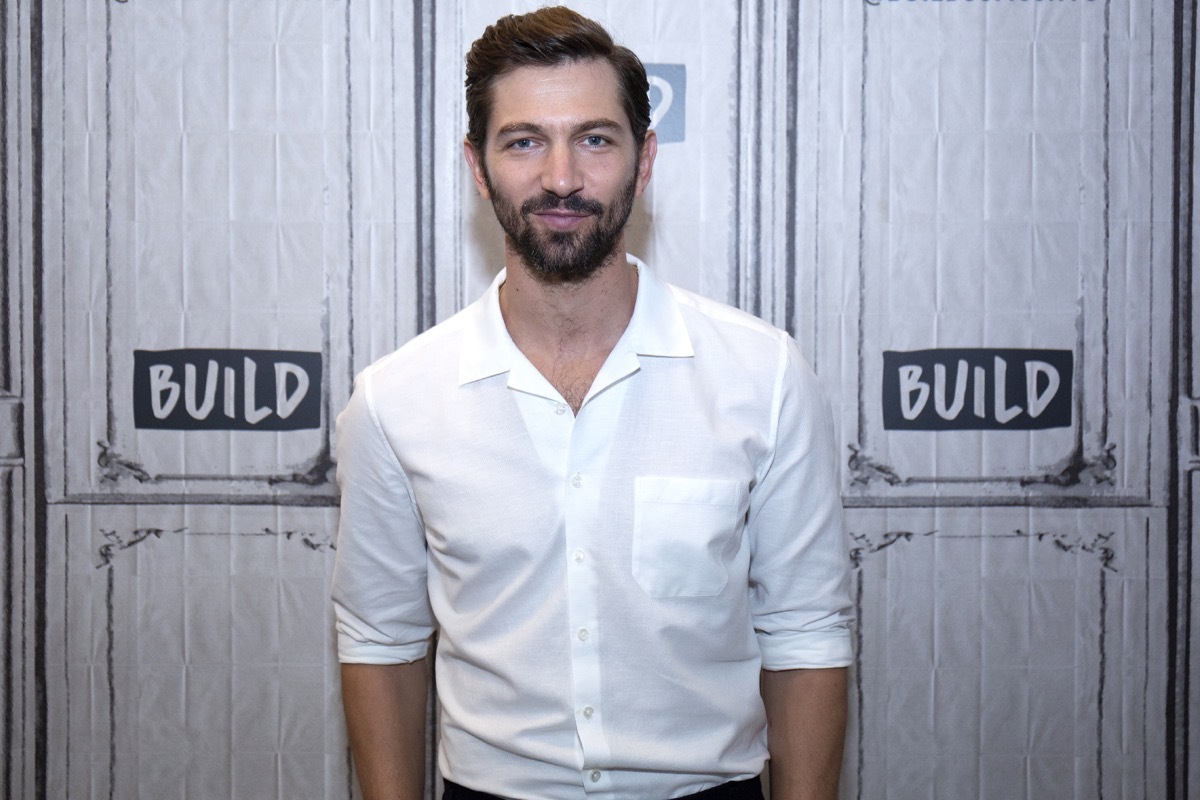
(580, 317)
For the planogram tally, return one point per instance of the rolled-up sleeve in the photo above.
(800, 567)
(380, 596)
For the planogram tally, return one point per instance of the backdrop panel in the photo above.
(1008, 653)
(1008, 181)
(198, 179)
(195, 654)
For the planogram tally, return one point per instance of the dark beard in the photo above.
(564, 256)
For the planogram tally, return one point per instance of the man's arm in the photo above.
(806, 731)
(385, 717)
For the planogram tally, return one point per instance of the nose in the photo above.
(562, 175)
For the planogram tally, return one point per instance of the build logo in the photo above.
(977, 389)
(235, 390)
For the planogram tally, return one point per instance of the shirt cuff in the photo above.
(353, 651)
(806, 650)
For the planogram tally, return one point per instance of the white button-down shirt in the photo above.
(606, 586)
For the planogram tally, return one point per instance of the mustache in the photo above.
(552, 202)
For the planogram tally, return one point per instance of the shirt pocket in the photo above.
(683, 532)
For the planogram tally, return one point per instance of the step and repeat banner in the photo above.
(974, 216)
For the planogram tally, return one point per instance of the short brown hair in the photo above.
(543, 38)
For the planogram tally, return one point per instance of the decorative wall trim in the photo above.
(427, 133)
(10, 246)
(1183, 591)
(763, 226)
(11, 630)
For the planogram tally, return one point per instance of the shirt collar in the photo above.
(488, 349)
(655, 329)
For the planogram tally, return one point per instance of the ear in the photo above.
(475, 162)
(646, 156)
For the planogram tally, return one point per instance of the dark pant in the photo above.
(734, 790)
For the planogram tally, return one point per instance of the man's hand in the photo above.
(806, 731)
(385, 717)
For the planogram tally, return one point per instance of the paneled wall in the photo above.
(975, 216)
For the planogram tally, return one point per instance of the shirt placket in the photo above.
(582, 492)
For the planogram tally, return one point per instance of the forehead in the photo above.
(564, 93)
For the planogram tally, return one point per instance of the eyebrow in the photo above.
(515, 128)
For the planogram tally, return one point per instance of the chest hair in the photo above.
(572, 378)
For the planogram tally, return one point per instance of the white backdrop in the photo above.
(968, 188)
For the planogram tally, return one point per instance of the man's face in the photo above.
(561, 167)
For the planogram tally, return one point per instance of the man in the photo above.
(614, 501)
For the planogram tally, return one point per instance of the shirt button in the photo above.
(595, 775)
(583, 634)
(577, 480)
(560, 408)
(588, 711)
(578, 556)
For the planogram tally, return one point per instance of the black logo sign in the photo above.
(230, 390)
(977, 389)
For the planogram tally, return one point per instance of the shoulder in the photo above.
(736, 340)
(722, 317)
(426, 357)
(401, 387)
(739, 343)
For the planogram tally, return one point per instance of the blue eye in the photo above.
(595, 141)
(522, 144)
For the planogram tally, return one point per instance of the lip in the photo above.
(561, 220)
